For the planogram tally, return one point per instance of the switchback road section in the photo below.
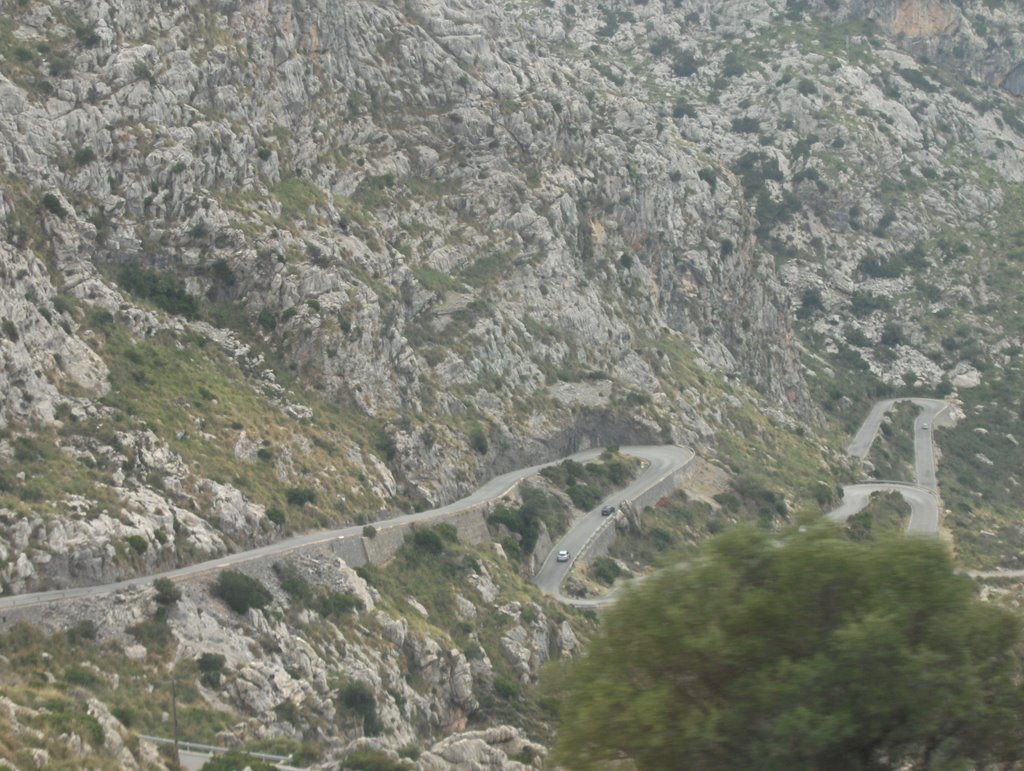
(923, 493)
(663, 462)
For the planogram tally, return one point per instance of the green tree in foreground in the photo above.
(811, 653)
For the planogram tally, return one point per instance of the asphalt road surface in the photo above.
(923, 493)
(924, 511)
(661, 460)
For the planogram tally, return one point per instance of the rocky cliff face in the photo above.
(435, 216)
(980, 40)
(268, 267)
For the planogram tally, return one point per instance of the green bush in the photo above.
(138, 544)
(605, 570)
(584, 496)
(810, 302)
(369, 532)
(10, 331)
(292, 583)
(287, 711)
(211, 662)
(685, 63)
(241, 592)
(300, 496)
(683, 109)
(505, 687)
(733, 65)
(661, 539)
(807, 87)
(427, 541)
(153, 633)
(166, 592)
(267, 320)
(275, 515)
(410, 751)
(336, 605)
(82, 631)
(478, 440)
(164, 290)
(709, 177)
(371, 760)
(754, 169)
(746, 125)
(125, 714)
(84, 156)
(357, 697)
(447, 532)
(52, 204)
(75, 675)
(864, 303)
(211, 667)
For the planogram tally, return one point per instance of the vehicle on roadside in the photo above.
(608, 510)
(924, 426)
(563, 556)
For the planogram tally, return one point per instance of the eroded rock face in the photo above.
(491, 748)
(274, 657)
(400, 81)
(437, 217)
(37, 354)
(510, 215)
(973, 37)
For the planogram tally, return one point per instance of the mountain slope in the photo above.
(265, 268)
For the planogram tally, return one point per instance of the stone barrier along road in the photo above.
(656, 481)
(602, 540)
(467, 514)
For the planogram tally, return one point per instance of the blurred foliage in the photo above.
(806, 652)
(885, 515)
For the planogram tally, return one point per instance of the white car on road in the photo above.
(563, 556)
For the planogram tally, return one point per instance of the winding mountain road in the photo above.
(923, 494)
(662, 461)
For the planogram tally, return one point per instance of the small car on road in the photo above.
(563, 556)
(608, 510)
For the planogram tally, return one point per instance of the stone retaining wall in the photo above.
(602, 540)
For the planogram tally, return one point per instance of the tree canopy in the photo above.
(807, 651)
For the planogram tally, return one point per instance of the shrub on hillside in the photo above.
(584, 496)
(164, 290)
(166, 592)
(211, 666)
(294, 585)
(336, 604)
(240, 591)
(300, 496)
(427, 541)
(605, 570)
(357, 697)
